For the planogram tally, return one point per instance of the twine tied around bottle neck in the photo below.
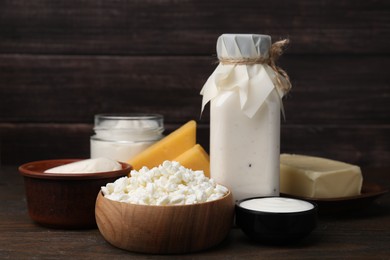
(275, 52)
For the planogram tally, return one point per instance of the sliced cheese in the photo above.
(316, 177)
(195, 159)
(167, 148)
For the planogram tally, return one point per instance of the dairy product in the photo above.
(195, 158)
(245, 105)
(277, 205)
(87, 166)
(244, 152)
(167, 148)
(119, 150)
(316, 177)
(122, 136)
(168, 184)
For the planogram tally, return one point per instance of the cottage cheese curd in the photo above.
(168, 184)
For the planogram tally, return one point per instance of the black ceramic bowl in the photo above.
(271, 227)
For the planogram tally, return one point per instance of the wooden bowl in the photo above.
(61, 200)
(164, 229)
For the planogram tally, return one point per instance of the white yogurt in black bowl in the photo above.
(276, 220)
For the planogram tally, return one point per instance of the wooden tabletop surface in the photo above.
(361, 234)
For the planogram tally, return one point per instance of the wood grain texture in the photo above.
(358, 144)
(170, 229)
(189, 26)
(63, 62)
(337, 237)
(338, 89)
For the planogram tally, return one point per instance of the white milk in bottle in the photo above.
(245, 94)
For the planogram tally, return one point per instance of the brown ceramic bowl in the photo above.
(62, 200)
(171, 229)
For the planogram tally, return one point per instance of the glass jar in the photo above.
(122, 136)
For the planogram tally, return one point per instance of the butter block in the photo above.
(167, 148)
(316, 177)
(195, 159)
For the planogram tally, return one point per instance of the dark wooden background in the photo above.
(62, 62)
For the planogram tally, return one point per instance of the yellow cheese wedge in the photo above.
(167, 148)
(195, 159)
(316, 177)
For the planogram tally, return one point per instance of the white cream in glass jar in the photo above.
(121, 136)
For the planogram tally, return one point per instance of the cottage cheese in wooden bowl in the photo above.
(166, 209)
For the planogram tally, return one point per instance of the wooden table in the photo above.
(363, 234)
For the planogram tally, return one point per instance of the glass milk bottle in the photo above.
(245, 94)
(121, 136)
